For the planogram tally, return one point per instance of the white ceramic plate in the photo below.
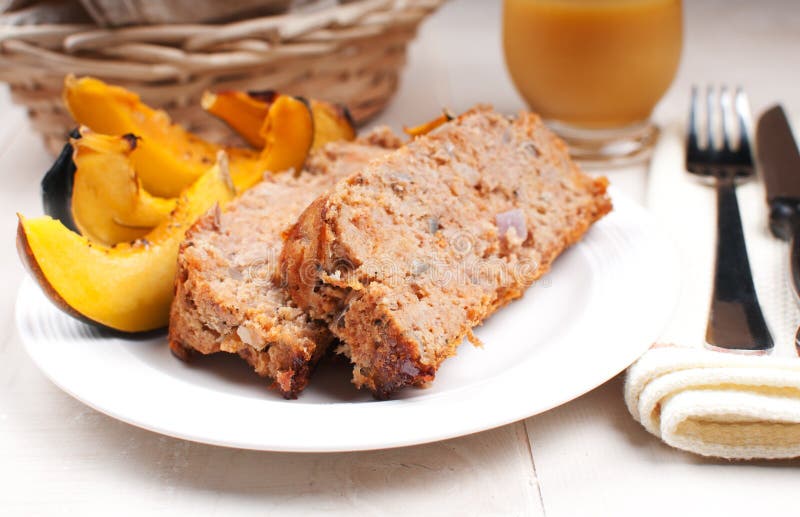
(600, 307)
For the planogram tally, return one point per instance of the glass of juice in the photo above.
(595, 69)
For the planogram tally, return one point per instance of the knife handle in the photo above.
(784, 217)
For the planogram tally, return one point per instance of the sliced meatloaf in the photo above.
(226, 298)
(405, 257)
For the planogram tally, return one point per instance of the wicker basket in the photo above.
(350, 53)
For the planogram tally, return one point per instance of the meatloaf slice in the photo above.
(225, 295)
(404, 258)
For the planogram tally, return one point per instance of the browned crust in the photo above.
(289, 375)
(394, 361)
(302, 256)
(267, 96)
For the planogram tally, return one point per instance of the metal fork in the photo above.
(735, 321)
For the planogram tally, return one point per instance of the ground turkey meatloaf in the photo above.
(405, 257)
(226, 298)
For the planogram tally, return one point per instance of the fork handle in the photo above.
(735, 321)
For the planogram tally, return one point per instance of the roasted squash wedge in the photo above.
(288, 132)
(332, 122)
(243, 112)
(127, 287)
(108, 202)
(246, 112)
(168, 158)
(430, 125)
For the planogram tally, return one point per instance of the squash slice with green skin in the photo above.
(127, 287)
(108, 202)
(57, 185)
(168, 158)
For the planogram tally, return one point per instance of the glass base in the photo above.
(595, 148)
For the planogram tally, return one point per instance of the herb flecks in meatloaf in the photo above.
(404, 258)
(226, 295)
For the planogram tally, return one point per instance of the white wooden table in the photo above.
(587, 457)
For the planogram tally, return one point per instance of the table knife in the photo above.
(779, 159)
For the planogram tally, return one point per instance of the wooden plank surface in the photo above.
(593, 459)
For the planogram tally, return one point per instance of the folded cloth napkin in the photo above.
(718, 404)
(714, 403)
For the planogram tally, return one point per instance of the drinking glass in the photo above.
(595, 69)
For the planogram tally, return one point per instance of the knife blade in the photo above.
(779, 159)
(780, 167)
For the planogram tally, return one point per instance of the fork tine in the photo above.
(711, 142)
(743, 114)
(726, 109)
(716, 153)
(693, 145)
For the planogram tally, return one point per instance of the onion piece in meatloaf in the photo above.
(404, 258)
(226, 295)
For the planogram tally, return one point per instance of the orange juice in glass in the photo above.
(594, 69)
